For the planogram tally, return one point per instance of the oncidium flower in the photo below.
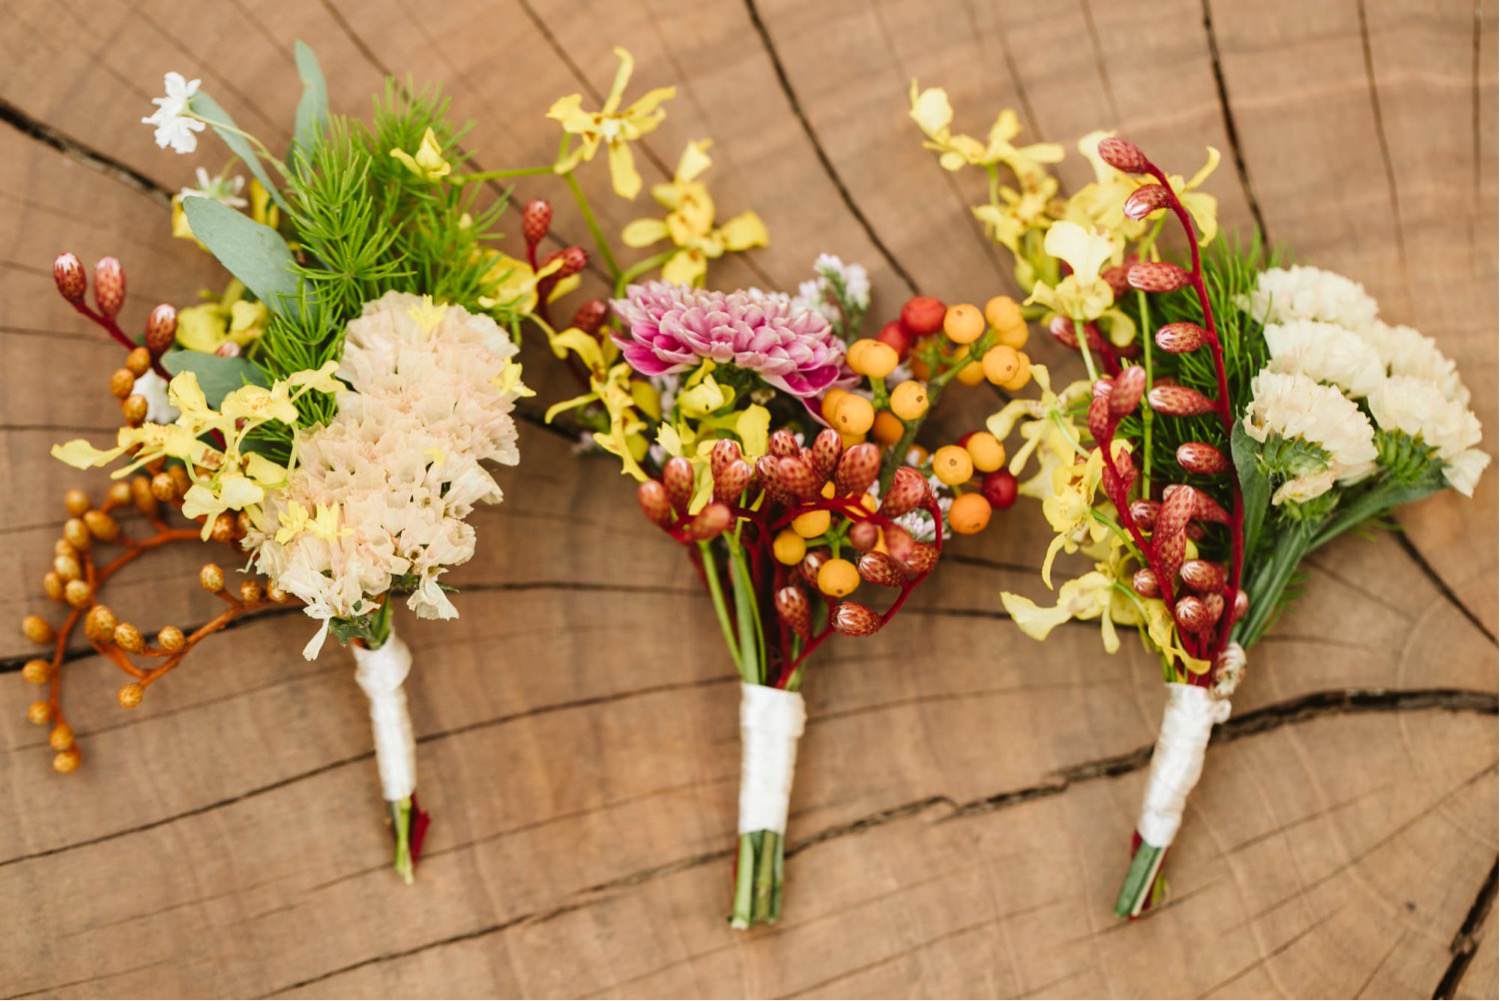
(689, 223)
(933, 113)
(429, 164)
(611, 126)
(234, 319)
(1082, 295)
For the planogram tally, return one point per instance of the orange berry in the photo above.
(888, 428)
(1002, 311)
(811, 524)
(969, 514)
(850, 440)
(986, 451)
(831, 401)
(952, 465)
(971, 374)
(837, 578)
(872, 358)
(963, 323)
(853, 414)
(1001, 364)
(909, 400)
(1023, 373)
(789, 547)
(1014, 337)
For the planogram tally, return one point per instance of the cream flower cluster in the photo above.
(1295, 406)
(383, 491)
(830, 269)
(1313, 320)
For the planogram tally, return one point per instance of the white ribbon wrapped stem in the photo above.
(1186, 723)
(771, 722)
(381, 673)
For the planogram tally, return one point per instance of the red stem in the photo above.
(110, 327)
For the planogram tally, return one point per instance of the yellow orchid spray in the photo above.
(428, 163)
(612, 127)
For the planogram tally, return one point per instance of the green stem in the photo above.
(593, 224)
(639, 268)
(747, 617)
(716, 592)
(1083, 347)
(401, 818)
(496, 175)
(744, 883)
(1271, 579)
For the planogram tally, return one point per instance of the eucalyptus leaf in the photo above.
(217, 376)
(217, 118)
(1255, 487)
(312, 109)
(255, 254)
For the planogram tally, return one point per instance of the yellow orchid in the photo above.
(208, 326)
(323, 522)
(1203, 207)
(933, 113)
(512, 285)
(611, 126)
(1082, 295)
(1092, 596)
(695, 440)
(1013, 213)
(1101, 203)
(230, 479)
(429, 163)
(508, 382)
(689, 223)
(1046, 429)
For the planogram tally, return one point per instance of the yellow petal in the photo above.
(686, 267)
(744, 231)
(563, 287)
(622, 172)
(931, 111)
(647, 113)
(622, 77)
(694, 160)
(644, 232)
(81, 455)
(754, 431)
(1033, 620)
(568, 112)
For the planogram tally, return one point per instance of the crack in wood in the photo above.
(1385, 145)
(1467, 941)
(795, 104)
(1434, 578)
(1231, 130)
(77, 151)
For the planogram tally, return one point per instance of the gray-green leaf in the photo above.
(235, 139)
(255, 254)
(217, 376)
(312, 109)
(1255, 488)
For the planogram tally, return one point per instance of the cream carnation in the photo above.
(1405, 351)
(383, 491)
(1325, 352)
(1293, 406)
(1304, 293)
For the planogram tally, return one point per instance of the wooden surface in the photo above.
(961, 812)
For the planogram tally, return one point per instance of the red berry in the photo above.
(536, 220)
(1000, 489)
(896, 336)
(923, 315)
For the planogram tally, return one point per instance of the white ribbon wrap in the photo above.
(1177, 763)
(380, 673)
(771, 722)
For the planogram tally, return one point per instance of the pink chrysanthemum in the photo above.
(668, 328)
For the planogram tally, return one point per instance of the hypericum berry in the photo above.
(853, 414)
(1204, 507)
(536, 220)
(36, 629)
(1125, 393)
(853, 619)
(76, 502)
(1157, 276)
(100, 525)
(652, 497)
(53, 585)
(864, 535)
(99, 624)
(1203, 576)
(985, 451)
(969, 514)
(879, 569)
(141, 495)
(908, 490)
(76, 534)
(66, 567)
(161, 328)
(1122, 154)
(61, 737)
(951, 465)
(857, 469)
(1145, 200)
(590, 316)
(121, 383)
(896, 336)
(871, 358)
(730, 484)
(68, 276)
(811, 524)
(171, 639)
(1144, 583)
(1000, 488)
(65, 762)
(39, 713)
(792, 607)
(36, 671)
(119, 493)
(677, 477)
(211, 576)
(709, 523)
(788, 547)
(78, 593)
(923, 315)
(129, 638)
(1201, 457)
(130, 695)
(134, 408)
(909, 400)
(109, 286)
(1180, 338)
(138, 361)
(1001, 364)
(837, 577)
(963, 323)
(1192, 614)
(1179, 401)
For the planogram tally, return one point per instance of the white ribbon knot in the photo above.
(381, 673)
(1177, 762)
(771, 722)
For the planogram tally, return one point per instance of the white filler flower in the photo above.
(173, 128)
(1305, 293)
(1291, 405)
(1325, 352)
(1418, 408)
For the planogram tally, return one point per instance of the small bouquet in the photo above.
(329, 417)
(1237, 416)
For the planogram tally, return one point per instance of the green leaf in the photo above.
(217, 376)
(234, 138)
(1255, 488)
(312, 109)
(255, 254)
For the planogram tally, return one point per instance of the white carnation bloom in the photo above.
(1463, 472)
(1325, 352)
(1418, 408)
(1292, 405)
(1405, 351)
(1304, 293)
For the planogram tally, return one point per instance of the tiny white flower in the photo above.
(173, 128)
(154, 388)
(224, 190)
(1305, 293)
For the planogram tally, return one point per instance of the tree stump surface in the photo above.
(964, 800)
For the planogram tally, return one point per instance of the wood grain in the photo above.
(961, 816)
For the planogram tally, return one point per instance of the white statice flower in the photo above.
(1325, 352)
(918, 521)
(1408, 352)
(819, 293)
(1293, 406)
(222, 189)
(384, 490)
(173, 127)
(1418, 409)
(1305, 293)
